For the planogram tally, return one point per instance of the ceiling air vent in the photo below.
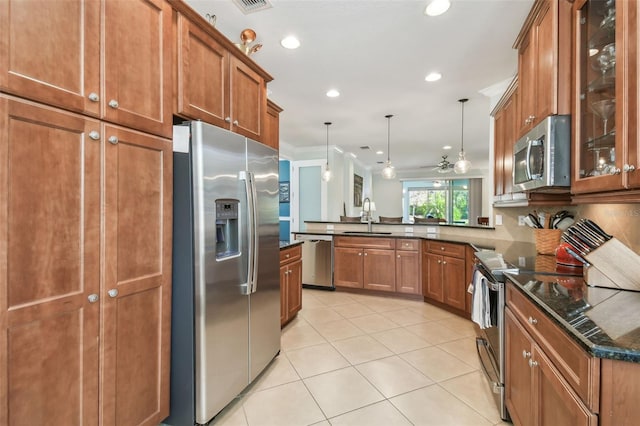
(365, 147)
(250, 6)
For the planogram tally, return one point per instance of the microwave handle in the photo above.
(528, 157)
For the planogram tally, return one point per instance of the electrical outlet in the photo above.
(408, 229)
(521, 221)
(329, 227)
(498, 219)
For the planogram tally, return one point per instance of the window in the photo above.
(446, 200)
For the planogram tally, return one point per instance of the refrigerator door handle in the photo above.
(252, 216)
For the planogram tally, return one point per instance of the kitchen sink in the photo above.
(367, 232)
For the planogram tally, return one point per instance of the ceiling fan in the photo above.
(444, 166)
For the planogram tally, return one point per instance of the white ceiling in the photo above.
(377, 53)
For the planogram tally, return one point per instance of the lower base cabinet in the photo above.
(366, 263)
(444, 273)
(536, 392)
(290, 283)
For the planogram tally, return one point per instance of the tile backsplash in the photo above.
(620, 220)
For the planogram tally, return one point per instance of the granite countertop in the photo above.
(456, 225)
(287, 244)
(604, 321)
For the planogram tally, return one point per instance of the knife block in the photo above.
(613, 265)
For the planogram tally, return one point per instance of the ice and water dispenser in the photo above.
(227, 232)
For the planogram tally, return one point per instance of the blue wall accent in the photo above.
(285, 208)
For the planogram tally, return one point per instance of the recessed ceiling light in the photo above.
(446, 147)
(290, 42)
(434, 76)
(333, 93)
(437, 7)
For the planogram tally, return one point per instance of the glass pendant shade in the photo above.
(326, 174)
(462, 165)
(388, 172)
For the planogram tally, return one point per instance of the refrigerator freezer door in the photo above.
(221, 303)
(265, 299)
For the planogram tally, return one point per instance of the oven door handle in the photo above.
(493, 378)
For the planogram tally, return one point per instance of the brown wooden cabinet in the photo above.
(290, 283)
(363, 262)
(505, 137)
(544, 62)
(271, 133)
(73, 337)
(408, 277)
(213, 83)
(536, 392)
(606, 114)
(444, 273)
(61, 65)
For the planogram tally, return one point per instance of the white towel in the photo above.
(480, 307)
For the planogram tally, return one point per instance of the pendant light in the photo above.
(326, 175)
(388, 172)
(463, 165)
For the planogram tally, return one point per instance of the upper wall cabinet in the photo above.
(272, 125)
(135, 88)
(504, 139)
(544, 63)
(214, 84)
(606, 96)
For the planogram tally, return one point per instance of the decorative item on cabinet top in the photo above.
(248, 36)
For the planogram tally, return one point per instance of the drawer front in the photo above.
(290, 254)
(578, 368)
(447, 249)
(407, 244)
(365, 242)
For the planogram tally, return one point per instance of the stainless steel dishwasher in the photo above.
(317, 261)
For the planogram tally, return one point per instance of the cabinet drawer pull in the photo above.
(526, 354)
(113, 292)
(93, 97)
(113, 140)
(532, 321)
(533, 363)
(235, 123)
(114, 104)
(93, 298)
(94, 135)
(227, 120)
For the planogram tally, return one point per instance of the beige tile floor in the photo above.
(351, 359)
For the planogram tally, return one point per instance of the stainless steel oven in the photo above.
(490, 341)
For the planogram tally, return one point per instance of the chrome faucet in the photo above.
(367, 202)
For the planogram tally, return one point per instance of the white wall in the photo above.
(387, 196)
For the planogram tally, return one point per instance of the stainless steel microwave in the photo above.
(542, 158)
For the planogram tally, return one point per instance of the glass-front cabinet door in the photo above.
(606, 96)
(596, 124)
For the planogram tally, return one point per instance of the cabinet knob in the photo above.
(94, 135)
(532, 321)
(114, 104)
(286, 255)
(526, 354)
(439, 261)
(365, 254)
(113, 292)
(444, 262)
(227, 120)
(113, 140)
(398, 256)
(614, 171)
(628, 168)
(93, 298)
(533, 363)
(93, 97)
(442, 248)
(235, 122)
(359, 254)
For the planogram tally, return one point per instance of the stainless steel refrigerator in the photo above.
(226, 289)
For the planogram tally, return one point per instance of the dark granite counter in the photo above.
(287, 244)
(604, 321)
